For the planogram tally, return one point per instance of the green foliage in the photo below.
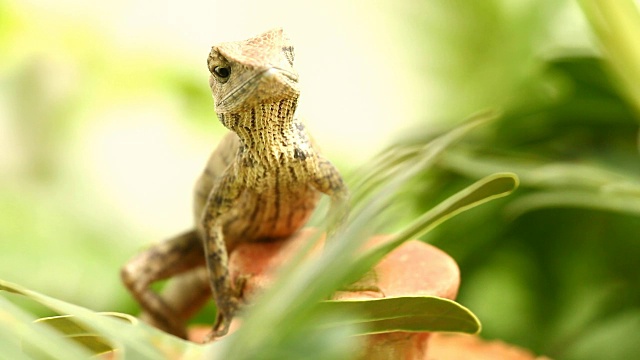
(617, 27)
(18, 332)
(292, 305)
(133, 339)
(553, 267)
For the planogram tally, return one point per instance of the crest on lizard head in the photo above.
(254, 71)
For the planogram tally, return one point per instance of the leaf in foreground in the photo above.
(405, 313)
(134, 340)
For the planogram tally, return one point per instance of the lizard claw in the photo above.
(224, 318)
(228, 309)
(217, 333)
(239, 285)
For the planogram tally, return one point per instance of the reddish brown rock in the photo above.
(470, 347)
(415, 268)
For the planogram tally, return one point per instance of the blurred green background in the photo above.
(106, 121)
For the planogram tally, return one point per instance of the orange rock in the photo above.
(415, 268)
(470, 347)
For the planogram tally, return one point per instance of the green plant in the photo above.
(292, 310)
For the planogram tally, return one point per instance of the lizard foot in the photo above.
(226, 313)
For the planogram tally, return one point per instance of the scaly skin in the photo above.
(261, 183)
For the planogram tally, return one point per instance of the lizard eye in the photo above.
(222, 72)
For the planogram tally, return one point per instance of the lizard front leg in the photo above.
(218, 206)
(329, 181)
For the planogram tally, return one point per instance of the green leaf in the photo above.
(616, 24)
(397, 164)
(486, 189)
(559, 184)
(618, 202)
(20, 338)
(72, 329)
(133, 338)
(407, 313)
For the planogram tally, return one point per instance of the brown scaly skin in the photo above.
(262, 182)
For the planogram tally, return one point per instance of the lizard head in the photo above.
(251, 72)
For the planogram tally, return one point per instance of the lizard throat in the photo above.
(264, 124)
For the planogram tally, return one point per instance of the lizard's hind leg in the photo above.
(185, 294)
(161, 261)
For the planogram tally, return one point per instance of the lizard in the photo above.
(261, 183)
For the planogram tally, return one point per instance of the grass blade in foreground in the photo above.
(21, 338)
(69, 326)
(135, 341)
(399, 163)
(617, 25)
(490, 188)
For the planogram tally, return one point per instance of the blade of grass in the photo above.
(616, 24)
(489, 188)
(138, 340)
(391, 167)
(25, 339)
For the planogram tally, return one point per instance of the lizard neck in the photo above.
(268, 126)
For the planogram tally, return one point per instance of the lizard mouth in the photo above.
(275, 75)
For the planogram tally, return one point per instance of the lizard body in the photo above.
(261, 183)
